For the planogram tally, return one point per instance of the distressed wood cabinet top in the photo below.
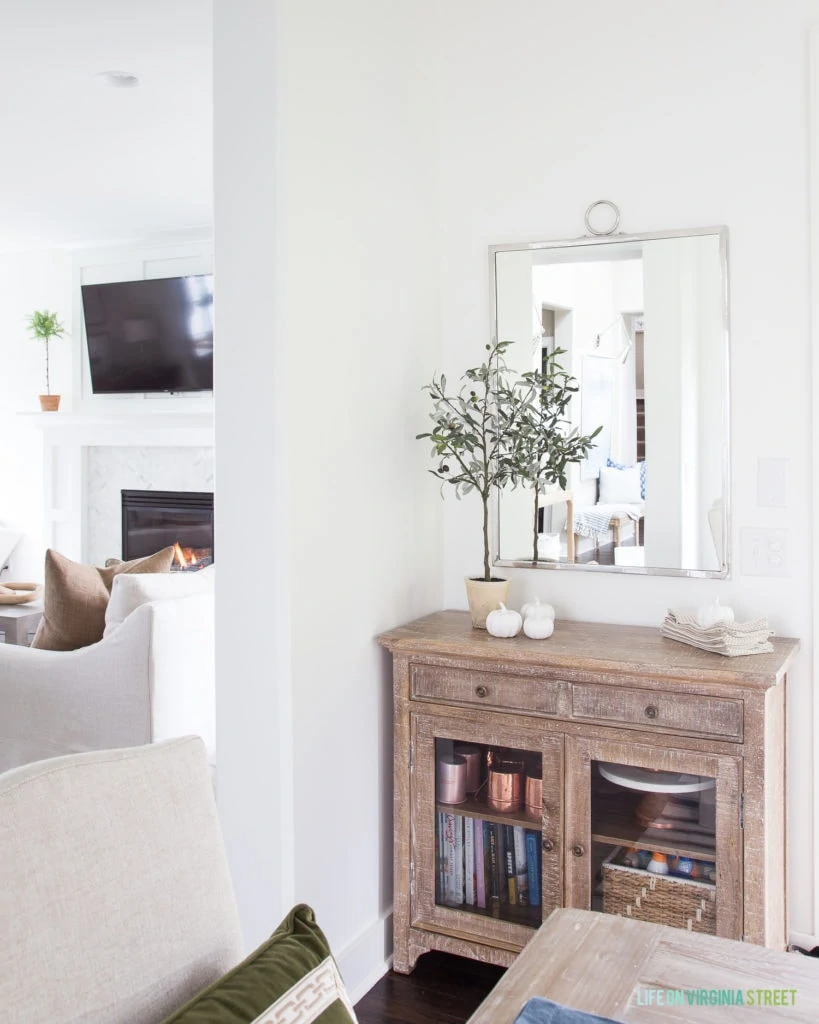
(591, 646)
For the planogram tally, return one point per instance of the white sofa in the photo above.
(151, 679)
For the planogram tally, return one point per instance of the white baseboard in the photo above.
(803, 940)
(367, 958)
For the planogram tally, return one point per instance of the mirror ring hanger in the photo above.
(615, 211)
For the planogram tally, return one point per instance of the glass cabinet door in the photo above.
(487, 811)
(654, 835)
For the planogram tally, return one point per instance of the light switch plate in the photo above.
(764, 552)
(772, 483)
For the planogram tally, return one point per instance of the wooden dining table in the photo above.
(631, 971)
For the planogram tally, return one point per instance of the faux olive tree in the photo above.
(541, 442)
(469, 433)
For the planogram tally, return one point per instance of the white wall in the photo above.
(702, 122)
(663, 359)
(332, 159)
(711, 380)
(325, 340)
(29, 281)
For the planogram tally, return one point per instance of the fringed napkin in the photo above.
(733, 639)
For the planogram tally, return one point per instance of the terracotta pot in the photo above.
(484, 598)
(49, 403)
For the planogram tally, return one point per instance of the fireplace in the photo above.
(152, 520)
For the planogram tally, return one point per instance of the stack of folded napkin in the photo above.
(732, 639)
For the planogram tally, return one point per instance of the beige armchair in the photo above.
(116, 904)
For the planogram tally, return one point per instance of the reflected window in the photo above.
(200, 317)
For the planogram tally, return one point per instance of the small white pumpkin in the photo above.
(536, 610)
(538, 628)
(714, 614)
(503, 622)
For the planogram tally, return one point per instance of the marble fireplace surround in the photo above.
(89, 459)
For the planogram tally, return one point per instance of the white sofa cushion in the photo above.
(129, 592)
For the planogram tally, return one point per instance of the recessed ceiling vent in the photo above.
(118, 79)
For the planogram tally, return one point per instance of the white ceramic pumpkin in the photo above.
(536, 610)
(503, 622)
(538, 629)
(714, 614)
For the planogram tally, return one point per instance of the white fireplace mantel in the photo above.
(66, 440)
(83, 430)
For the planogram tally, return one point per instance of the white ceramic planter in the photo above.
(484, 598)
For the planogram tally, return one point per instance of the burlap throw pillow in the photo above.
(76, 596)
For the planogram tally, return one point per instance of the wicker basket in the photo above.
(660, 899)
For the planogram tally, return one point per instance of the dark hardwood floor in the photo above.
(442, 989)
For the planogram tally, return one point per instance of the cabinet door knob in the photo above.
(548, 845)
(481, 691)
(578, 850)
(652, 711)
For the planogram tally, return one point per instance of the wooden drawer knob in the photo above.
(482, 691)
(652, 711)
(578, 850)
(548, 845)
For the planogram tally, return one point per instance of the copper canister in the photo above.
(472, 756)
(505, 789)
(534, 796)
(451, 787)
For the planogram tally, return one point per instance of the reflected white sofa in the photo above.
(151, 679)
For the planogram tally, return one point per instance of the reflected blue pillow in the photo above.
(621, 465)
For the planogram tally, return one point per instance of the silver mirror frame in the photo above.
(603, 240)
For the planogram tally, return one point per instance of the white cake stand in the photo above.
(647, 781)
(658, 808)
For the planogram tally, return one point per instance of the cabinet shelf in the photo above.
(614, 823)
(475, 807)
(531, 917)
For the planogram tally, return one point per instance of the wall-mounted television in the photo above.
(149, 336)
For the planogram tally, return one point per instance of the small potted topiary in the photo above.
(43, 326)
(469, 444)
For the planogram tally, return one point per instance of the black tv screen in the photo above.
(148, 336)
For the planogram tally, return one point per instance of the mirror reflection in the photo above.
(641, 323)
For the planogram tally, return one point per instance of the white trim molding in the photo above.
(813, 210)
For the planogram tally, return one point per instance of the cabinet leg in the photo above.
(405, 961)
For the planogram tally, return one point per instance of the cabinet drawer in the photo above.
(459, 686)
(679, 712)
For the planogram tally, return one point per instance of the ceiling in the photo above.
(82, 163)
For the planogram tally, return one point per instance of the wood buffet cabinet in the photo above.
(635, 747)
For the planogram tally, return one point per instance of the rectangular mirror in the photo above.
(641, 323)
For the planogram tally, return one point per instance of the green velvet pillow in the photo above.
(292, 977)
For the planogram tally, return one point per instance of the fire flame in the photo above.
(191, 558)
(179, 555)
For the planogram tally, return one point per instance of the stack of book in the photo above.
(484, 864)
